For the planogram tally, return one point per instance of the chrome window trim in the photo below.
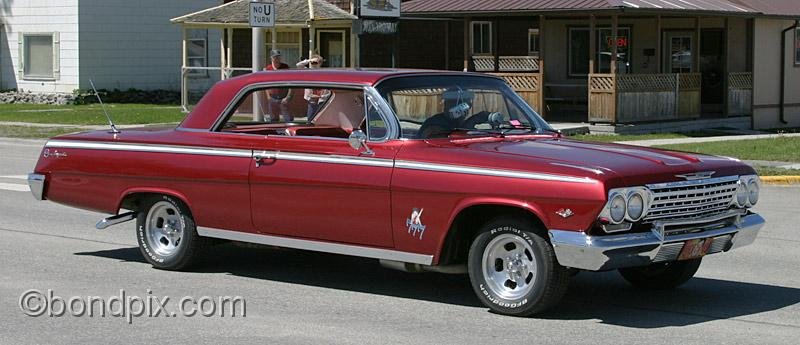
(318, 246)
(193, 150)
(489, 172)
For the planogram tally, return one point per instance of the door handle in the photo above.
(261, 156)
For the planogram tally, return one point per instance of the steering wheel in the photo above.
(493, 119)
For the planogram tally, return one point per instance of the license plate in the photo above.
(693, 249)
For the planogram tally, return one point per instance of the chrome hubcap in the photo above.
(164, 228)
(509, 267)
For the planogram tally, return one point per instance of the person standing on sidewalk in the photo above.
(278, 98)
(314, 97)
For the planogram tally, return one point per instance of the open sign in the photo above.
(622, 41)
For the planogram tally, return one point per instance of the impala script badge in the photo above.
(414, 223)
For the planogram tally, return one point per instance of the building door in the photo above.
(712, 67)
(332, 47)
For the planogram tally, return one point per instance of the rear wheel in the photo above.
(661, 276)
(167, 234)
(513, 268)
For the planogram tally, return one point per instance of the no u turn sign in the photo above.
(262, 14)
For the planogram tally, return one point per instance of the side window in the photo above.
(377, 128)
(298, 111)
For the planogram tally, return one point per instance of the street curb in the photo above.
(780, 179)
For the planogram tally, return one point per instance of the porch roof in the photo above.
(752, 7)
(288, 12)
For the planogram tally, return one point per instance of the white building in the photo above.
(59, 45)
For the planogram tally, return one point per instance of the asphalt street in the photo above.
(747, 296)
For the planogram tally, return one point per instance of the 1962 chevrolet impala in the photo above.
(426, 171)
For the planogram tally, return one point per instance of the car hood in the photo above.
(632, 164)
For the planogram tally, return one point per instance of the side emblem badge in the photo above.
(414, 223)
(47, 153)
(564, 213)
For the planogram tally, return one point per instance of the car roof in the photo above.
(222, 93)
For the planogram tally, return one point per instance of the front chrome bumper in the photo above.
(597, 253)
(36, 182)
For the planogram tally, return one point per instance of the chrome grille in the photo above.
(689, 199)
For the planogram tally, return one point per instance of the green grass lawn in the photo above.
(773, 171)
(29, 132)
(781, 149)
(91, 114)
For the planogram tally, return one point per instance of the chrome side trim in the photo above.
(489, 172)
(36, 183)
(208, 151)
(595, 253)
(333, 159)
(317, 246)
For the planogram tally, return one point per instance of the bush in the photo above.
(129, 96)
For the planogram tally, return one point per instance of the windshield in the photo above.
(430, 107)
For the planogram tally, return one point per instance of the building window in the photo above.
(197, 52)
(533, 42)
(481, 38)
(680, 54)
(289, 43)
(797, 47)
(579, 50)
(39, 55)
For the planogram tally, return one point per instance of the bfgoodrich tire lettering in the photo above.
(166, 233)
(513, 268)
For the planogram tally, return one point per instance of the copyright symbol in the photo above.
(33, 302)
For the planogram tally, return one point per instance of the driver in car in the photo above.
(457, 104)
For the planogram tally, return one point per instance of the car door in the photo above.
(312, 184)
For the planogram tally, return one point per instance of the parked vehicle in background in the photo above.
(425, 171)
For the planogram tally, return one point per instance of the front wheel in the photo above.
(167, 234)
(661, 276)
(514, 270)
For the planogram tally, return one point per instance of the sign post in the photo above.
(262, 15)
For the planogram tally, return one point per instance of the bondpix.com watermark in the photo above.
(37, 303)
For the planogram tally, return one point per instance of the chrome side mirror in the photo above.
(358, 139)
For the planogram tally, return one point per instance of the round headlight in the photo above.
(617, 208)
(752, 191)
(741, 195)
(635, 206)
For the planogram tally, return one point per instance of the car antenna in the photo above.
(113, 128)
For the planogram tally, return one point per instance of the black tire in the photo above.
(185, 249)
(661, 276)
(545, 286)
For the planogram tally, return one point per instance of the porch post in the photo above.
(725, 72)
(592, 43)
(659, 43)
(697, 45)
(446, 44)
(229, 52)
(184, 88)
(614, 25)
(542, 105)
(222, 55)
(466, 43)
(495, 45)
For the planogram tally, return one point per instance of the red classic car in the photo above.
(426, 171)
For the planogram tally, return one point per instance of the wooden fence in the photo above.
(526, 85)
(626, 98)
(740, 93)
